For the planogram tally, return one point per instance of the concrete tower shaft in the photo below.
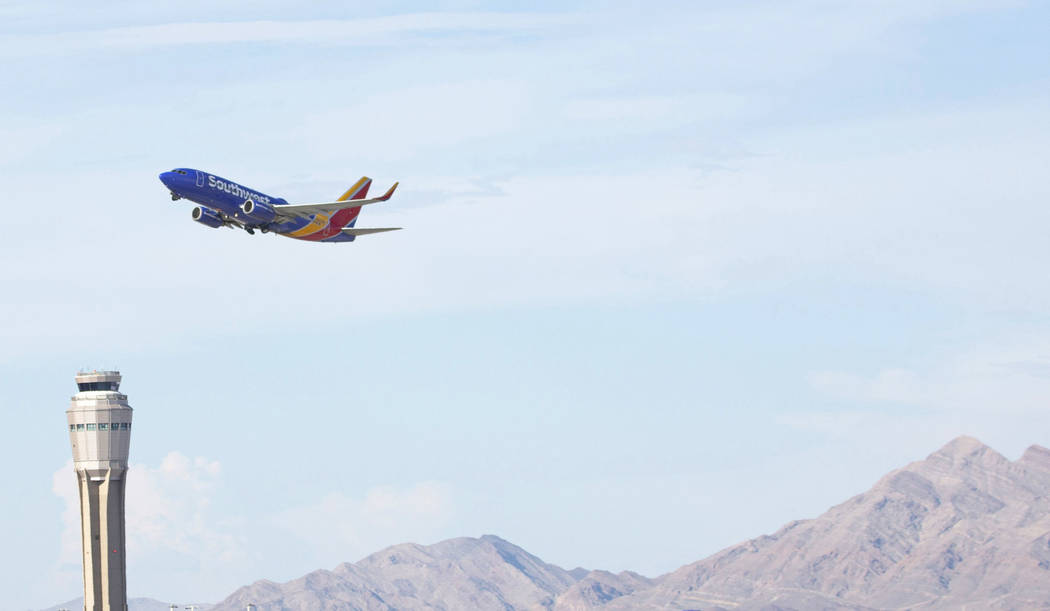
(99, 421)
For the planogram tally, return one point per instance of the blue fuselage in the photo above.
(227, 197)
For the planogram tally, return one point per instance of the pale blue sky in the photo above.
(669, 278)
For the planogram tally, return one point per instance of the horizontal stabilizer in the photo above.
(293, 210)
(367, 230)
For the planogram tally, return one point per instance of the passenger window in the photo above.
(91, 427)
(80, 427)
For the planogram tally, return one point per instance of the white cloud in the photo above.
(64, 485)
(168, 510)
(169, 522)
(180, 543)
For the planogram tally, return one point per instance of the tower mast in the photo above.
(99, 421)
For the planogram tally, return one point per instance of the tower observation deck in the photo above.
(99, 422)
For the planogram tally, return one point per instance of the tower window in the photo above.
(83, 386)
(125, 426)
(91, 427)
(102, 426)
(80, 427)
(72, 427)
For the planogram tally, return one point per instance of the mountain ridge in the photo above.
(964, 526)
(933, 534)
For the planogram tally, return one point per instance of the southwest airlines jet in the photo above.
(224, 203)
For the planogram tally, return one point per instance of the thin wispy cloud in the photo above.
(1002, 376)
(378, 31)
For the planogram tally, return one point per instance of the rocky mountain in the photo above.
(134, 604)
(965, 528)
(485, 573)
(597, 588)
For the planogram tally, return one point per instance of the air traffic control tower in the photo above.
(100, 431)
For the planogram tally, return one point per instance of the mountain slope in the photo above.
(485, 573)
(598, 588)
(134, 604)
(964, 528)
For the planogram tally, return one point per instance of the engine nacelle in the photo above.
(257, 212)
(207, 216)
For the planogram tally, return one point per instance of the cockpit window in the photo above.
(183, 172)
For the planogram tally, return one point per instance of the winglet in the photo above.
(387, 195)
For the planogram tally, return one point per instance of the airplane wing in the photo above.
(292, 210)
(355, 231)
(228, 221)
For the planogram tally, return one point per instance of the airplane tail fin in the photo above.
(358, 191)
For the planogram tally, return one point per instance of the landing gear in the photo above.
(250, 230)
(174, 197)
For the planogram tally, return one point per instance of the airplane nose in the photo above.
(170, 181)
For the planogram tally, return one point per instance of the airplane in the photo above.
(224, 203)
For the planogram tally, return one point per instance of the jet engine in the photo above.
(207, 216)
(257, 212)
